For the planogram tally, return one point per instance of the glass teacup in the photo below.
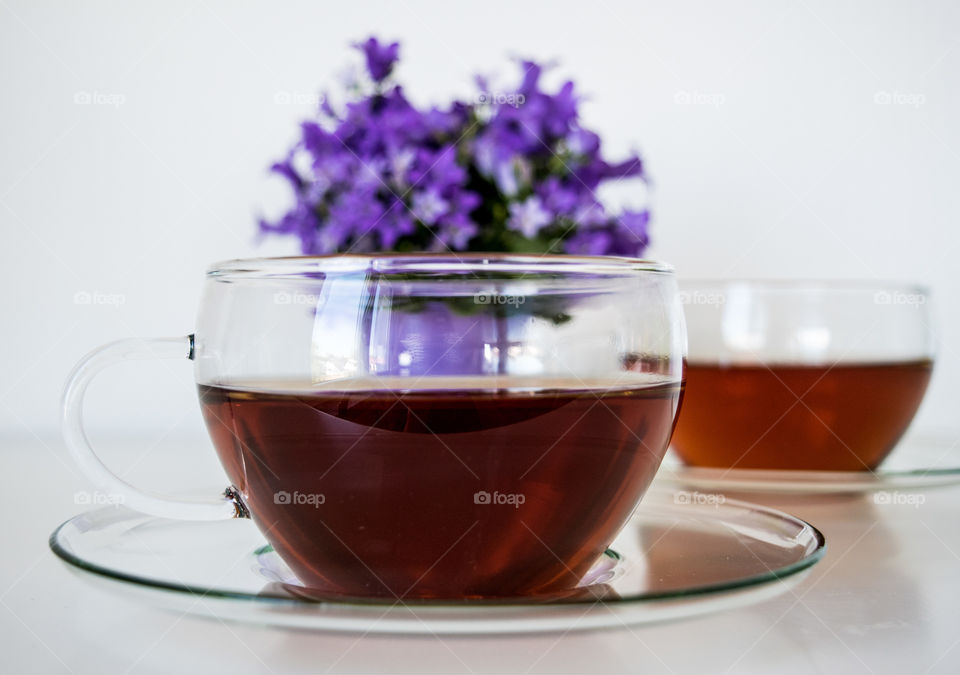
(426, 426)
(801, 374)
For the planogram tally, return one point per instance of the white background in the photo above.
(784, 164)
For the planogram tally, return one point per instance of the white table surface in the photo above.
(886, 598)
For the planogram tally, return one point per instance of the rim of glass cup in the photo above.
(808, 285)
(300, 266)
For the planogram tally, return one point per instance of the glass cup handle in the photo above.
(226, 506)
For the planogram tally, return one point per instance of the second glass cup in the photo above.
(801, 374)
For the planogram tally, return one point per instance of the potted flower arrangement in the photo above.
(514, 172)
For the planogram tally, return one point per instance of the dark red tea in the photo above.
(851, 415)
(473, 492)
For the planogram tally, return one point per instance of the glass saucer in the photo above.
(915, 464)
(678, 557)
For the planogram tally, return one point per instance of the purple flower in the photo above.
(334, 169)
(624, 236)
(628, 168)
(439, 168)
(589, 242)
(396, 223)
(590, 214)
(512, 175)
(447, 122)
(464, 201)
(456, 232)
(428, 205)
(531, 77)
(380, 58)
(635, 222)
(356, 212)
(528, 217)
(557, 196)
(562, 112)
(582, 142)
(400, 163)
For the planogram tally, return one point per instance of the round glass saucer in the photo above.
(914, 464)
(678, 557)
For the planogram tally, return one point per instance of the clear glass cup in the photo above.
(426, 426)
(813, 375)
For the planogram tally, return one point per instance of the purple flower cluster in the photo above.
(511, 172)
